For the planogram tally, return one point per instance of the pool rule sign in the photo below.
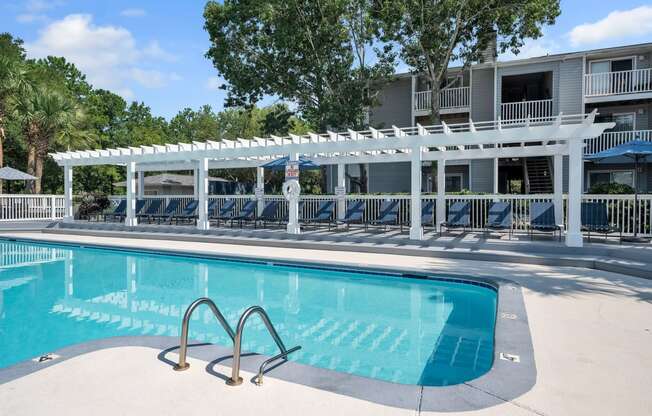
(292, 171)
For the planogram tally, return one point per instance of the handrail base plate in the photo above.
(230, 382)
(178, 367)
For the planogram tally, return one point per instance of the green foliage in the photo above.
(92, 203)
(611, 189)
(431, 35)
(316, 54)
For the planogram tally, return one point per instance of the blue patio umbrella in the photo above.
(279, 164)
(636, 150)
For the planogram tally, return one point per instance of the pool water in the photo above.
(387, 327)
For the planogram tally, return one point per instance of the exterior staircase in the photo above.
(538, 175)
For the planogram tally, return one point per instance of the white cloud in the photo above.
(34, 6)
(31, 18)
(154, 50)
(153, 78)
(133, 12)
(617, 25)
(533, 48)
(214, 83)
(108, 55)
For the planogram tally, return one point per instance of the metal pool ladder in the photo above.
(236, 337)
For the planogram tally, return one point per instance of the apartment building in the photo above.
(616, 81)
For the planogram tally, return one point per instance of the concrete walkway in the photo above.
(591, 330)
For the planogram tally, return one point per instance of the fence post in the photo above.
(53, 208)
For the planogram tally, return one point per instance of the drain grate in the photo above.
(510, 357)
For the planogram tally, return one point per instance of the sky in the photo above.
(153, 51)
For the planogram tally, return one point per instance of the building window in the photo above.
(624, 121)
(453, 182)
(623, 177)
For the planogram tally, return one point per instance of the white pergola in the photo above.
(551, 136)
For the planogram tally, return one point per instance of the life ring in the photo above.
(291, 189)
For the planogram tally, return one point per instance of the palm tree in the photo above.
(47, 117)
(14, 81)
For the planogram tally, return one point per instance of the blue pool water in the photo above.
(388, 327)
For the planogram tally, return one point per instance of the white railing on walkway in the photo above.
(31, 207)
(449, 98)
(614, 138)
(525, 109)
(620, 207)
(621, 82)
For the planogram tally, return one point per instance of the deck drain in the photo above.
(507, 315)
(45, 358)
(510, 357)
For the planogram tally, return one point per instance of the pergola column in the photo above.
(440, 205)
(202, 194)
(195, 183)
(141, 184)
(68, 214)
(416, 230)
(293, 226)
(341, 183)
(130, 219)
(558, 177)
(260, 188)
(496, 176)
(575, 180)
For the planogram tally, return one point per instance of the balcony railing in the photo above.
(614, 138)
(621, 82)
(449, 98)
(525, 109)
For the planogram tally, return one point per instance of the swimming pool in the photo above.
(383, 326)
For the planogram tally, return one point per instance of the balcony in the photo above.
(614, 138)
(524, 109)
(451, 100)
(598, 86)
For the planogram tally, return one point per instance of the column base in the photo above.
(131, 222)
(574, 239)
(203, 225)
(293, 228)
(68, 219)
(416, 233)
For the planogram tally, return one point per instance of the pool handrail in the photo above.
(235, 379)
(183, 341)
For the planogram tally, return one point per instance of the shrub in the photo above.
(611, 189)
(92, 203)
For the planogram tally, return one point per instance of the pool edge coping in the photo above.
(505, 381)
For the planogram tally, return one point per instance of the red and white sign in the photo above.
(292, 170)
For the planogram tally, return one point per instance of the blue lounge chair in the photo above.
(189, 213)
(596, 220)
(117, 212)
(247, 213)
(324, 214)
(170, 209)
(286, 217)
(428, 214)
(153, 209)
(225, 213)
(500, 218)
(542, 218)
(388, 214)
(354, 214)
(458, 217)
(269, 214)
(140, 204)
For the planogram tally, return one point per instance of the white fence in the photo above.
(621, 82)
(524, 109)
(449, 98)
(620, 208)
(615, 138)
(31, 207)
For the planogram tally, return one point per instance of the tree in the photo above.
(46, 116)
(189, 125)
(432, 34)
(316, 54)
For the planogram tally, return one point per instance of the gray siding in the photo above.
(395, 105)
(570, 86)
(528, 69)
(389, 177)
(482, 175)
(482, 95)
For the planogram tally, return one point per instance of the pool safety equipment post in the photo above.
(203, 222)
(130, 218)
(292, 191)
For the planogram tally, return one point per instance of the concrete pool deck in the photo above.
(591, 332)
